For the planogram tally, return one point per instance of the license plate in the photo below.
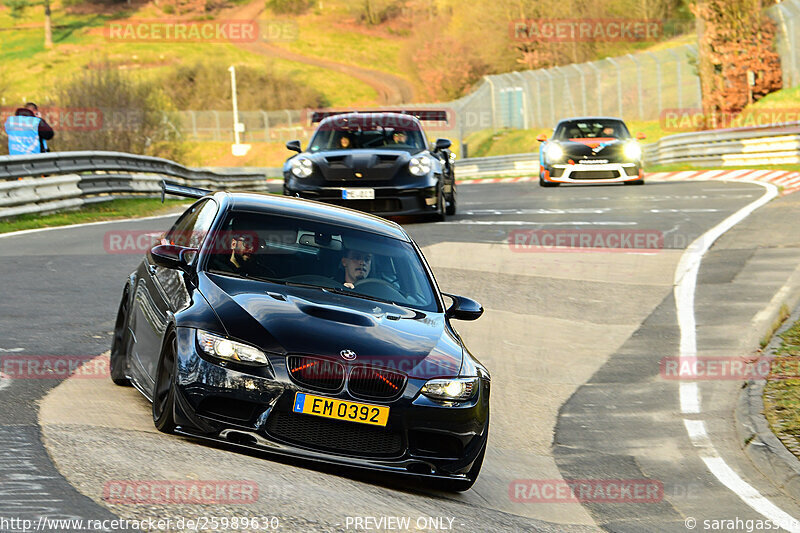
(358, 194)
(308, 404)
(593, 161)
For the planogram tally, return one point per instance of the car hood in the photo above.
(286, 320)
(592, 147)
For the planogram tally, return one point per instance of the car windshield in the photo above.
(301, 252)
(591, 129)
(374, 133)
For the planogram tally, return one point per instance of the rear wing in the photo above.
(180, 190)
(437, 115)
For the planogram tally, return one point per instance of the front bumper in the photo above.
(421, 437)
(597, 173)
(388, 201)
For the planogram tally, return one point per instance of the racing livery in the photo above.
(375, 162)
(590, 150)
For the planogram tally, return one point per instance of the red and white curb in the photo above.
(788, 179)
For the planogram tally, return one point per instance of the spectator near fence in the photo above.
(27, 131)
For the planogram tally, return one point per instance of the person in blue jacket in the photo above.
(27, 131)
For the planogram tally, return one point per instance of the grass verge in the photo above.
(782, 390)
(115, 209)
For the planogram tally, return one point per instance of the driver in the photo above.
(241, 260)
(399, 137)
(357, 265)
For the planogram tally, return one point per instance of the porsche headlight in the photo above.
(419, 166)
(633, 151)
(229, 350)
(455, 389)
(554, 152)
(302, 167)
(452, 157)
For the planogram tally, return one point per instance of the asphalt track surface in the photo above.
(574, 341)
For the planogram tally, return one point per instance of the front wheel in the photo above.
(164, 394)
(543, 183)
(636, 182)
(118, 361)
(441, 210)
(451, 203)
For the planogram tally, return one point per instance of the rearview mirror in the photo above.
(641, 136)
(294, 146)
(541, 137)
(172, 256)
(443, 144)
(463, 308)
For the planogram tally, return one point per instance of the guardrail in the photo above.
(61, 180)
(764, 145)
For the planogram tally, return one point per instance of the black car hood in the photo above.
(282, 319)
(373, 165)
(593, 148)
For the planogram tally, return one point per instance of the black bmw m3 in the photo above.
(375, 162)
(307, 330)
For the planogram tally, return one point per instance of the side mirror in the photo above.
(541, 137)
(463, 308)
(294, 146)
(641, 136)
(443, 144)
(172, 256)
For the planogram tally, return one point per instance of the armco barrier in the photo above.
(62, 180)
(765, 145)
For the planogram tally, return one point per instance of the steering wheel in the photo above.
(366, 286)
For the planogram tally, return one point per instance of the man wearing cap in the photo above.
(27, 131)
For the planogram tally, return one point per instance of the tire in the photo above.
(164, 392)
(118, 361)
(461, 485)
(451, 204)
(637, 182)
(543, 183)
(441, 211)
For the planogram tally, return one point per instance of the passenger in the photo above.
(344, 142)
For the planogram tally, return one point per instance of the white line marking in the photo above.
(532, 223)
(12, 350)
(5, 381)
(685, 283)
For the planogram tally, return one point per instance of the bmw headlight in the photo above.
(302, 167)
(554, 152)
(633, 152)
(229, 350)
(455, 389)
(419, 166)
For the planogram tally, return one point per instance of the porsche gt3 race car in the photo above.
(590, 150)
(375, 162)
(302, 329)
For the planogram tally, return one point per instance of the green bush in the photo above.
(207, 86)
(135, 116)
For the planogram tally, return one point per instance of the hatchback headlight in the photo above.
(554, 152)
(419, 166)
(302, 167)
(229, 350)
(455, 389)
(633, 152)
